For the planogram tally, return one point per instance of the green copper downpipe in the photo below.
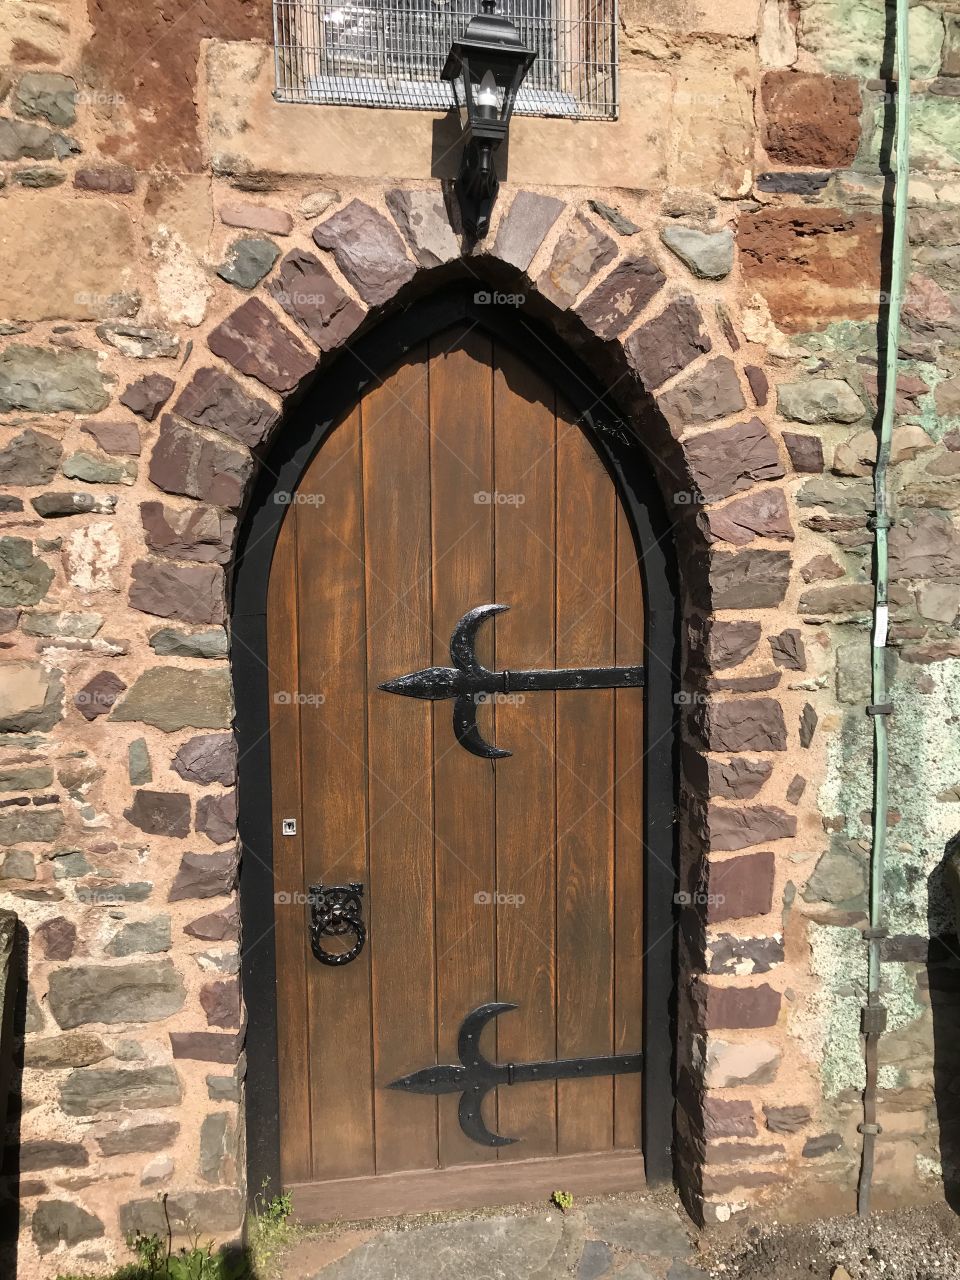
(874, 1013)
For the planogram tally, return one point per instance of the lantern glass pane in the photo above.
(460, 95)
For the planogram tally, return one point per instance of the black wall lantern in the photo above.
(486, 67)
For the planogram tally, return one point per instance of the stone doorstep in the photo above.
(630, 1236)
(309, 1257)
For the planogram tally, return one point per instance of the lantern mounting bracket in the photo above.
(477, 185)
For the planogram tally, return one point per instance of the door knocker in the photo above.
(335, 910)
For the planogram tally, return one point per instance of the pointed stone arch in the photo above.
(668, 375)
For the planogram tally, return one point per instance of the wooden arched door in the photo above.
(460, 480)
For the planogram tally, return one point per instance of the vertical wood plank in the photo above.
(525, 439)
(628, 840)
(586, 559)
(290, 913)
(398, 554)
(461, 449)
(332, 696)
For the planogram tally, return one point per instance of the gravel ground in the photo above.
(907, 1244)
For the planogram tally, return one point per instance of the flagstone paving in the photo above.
(627, 1237)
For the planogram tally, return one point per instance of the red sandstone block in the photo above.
(731, 1007)
(740, 887)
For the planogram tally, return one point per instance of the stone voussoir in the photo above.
(368, 250)
(726, 460)
(254, 341)
(186, 461)
(213, 399)
(423, 220)
(581, 252)
(197, 533)
(610, 308)
(309, 294)
(668, 343)
(763, 514)
(524, 227)
(712, 391)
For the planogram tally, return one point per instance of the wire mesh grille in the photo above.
(389, 54)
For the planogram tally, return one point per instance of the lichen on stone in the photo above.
(827, 1021)
(924, 761)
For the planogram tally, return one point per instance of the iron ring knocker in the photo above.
(335, 910)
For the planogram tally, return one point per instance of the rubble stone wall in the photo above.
(174, 267)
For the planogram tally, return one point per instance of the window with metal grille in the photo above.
(388, 53)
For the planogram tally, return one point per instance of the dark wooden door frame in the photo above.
(619, 446)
